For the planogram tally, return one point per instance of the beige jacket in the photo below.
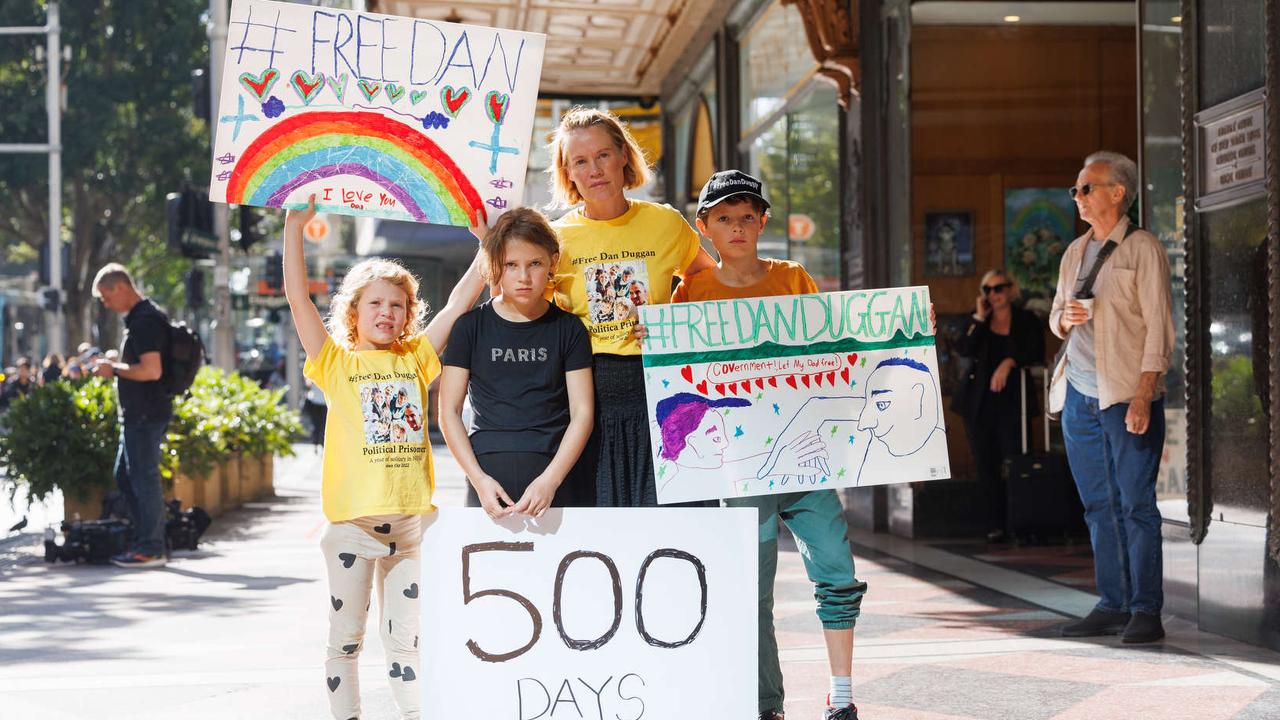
(1132, 311)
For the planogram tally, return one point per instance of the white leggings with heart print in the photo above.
(381, 550)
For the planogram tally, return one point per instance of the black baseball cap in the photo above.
(725, 184)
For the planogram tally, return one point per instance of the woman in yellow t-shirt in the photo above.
(373, 363)
(612, 249)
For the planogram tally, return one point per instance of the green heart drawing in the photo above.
(394, 92)
(338, 85)
(307, 86)
(453, 100)
(415, 96)
(369, 89)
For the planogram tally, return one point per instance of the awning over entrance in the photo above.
(594, 47)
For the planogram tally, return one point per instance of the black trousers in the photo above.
(994, 436)
(515, 472)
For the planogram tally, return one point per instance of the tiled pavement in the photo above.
(219, 634)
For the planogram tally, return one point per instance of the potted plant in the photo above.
(62, 437)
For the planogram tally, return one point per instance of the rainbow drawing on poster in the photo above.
(773, 395)
(411, 171)
(371, 114)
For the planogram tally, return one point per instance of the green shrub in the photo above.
(61, 436)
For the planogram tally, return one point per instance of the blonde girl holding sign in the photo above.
(377, 479)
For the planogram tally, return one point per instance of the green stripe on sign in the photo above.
(774, 350)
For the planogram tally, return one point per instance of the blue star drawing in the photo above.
(240, 118)
(851, 437)
(224, 176)
(666, 383)
(777, 410)
(737, 431)
(770, 484)
(226, 158)
(824, 479)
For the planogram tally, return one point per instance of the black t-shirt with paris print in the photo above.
(517, 385)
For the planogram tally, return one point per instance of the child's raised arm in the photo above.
(306, 318)
(461, 299)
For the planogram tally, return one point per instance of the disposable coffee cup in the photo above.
(1087, 302)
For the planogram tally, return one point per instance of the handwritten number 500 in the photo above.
(616, 586)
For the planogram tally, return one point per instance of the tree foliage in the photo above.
(129, 135)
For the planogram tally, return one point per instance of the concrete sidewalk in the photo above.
(237, 630)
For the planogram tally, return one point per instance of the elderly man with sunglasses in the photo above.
(1119, 335)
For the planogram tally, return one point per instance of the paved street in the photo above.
(237, 629)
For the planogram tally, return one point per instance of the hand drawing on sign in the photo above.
(900, 412)
(694, 436)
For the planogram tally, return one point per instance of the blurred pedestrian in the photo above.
(73, 371)
(1110, 390)
(1002, 340)
(20, 382)
(316, 409)
(52, 368)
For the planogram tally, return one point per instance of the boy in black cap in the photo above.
(732, 212)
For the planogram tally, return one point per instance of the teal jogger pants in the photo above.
(816, 519)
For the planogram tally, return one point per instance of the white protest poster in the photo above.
(790, 393)
(377, 115)
(587, 613)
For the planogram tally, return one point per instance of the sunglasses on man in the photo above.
(997, 288)
(1085, 189)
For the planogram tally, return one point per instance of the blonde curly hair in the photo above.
(343, 310)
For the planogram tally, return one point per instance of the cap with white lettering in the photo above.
(724, 185)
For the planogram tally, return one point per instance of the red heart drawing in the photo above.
(733, 388)
(702, 387)
(831, 378)
(791, 380)
(759, 383)
(719, 389)
(818, 378)
(852, 358)
(260, 85)
(844, 375)
(805, 379)
(686, 372)
(454, 99)
(498, 103)
(773, 381)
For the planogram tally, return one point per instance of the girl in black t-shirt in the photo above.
(526, 365)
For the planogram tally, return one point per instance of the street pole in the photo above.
(57, 333)
(53, 106)
(223, 333)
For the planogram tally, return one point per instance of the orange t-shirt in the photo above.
(783, 277)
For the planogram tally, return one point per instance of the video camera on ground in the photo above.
(96, 541)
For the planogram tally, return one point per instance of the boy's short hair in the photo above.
(756, 204)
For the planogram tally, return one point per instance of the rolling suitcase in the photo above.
(1044, 505)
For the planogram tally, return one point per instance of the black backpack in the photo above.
(182, 362)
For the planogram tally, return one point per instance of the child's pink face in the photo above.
(733, 229)
(381, 315)
(526, 268)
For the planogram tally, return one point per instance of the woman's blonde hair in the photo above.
(636, 173)
(1014, 293)
(343, 310)
(524, 224)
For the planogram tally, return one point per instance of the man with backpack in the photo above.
(146, 406)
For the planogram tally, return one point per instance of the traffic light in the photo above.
(50, 299)
(190, 218)
(195, 289)
(200, 94)
(274, 273)
(252, 228)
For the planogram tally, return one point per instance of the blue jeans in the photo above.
(138, 476)
(1115, 472)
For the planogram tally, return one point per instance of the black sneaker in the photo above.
(772, 715)
(1098, 622)
(1143, 628)
(848, 712)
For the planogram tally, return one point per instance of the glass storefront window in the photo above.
(775, 59)
(1162, 209)
(1235, 271)
(1232, 50)
(798, 158)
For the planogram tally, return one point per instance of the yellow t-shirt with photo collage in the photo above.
(608, 267)
(377, 458)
